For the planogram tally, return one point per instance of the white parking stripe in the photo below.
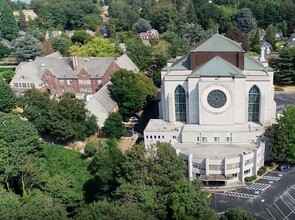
(275, 178)
(279, 210)
(271, 214)
(258, 186)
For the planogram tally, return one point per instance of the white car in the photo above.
(133, 119)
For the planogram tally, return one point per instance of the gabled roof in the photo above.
(124, 62)
(103, 98)
(251, 63)
(218, 43)
(61, 66)
(217, 67)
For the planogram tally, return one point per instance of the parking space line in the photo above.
(279, 210)
(271, 178)
(271, 214)
(289, 195)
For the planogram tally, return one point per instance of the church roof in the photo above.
(252, 63)
(218, 43)
(217, 67)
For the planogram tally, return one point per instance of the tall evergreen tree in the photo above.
(8, 25)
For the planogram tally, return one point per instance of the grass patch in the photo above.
(2, 69)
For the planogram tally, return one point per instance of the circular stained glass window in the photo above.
(216, 98)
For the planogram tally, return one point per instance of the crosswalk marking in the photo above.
(240, 195)
(258, 186)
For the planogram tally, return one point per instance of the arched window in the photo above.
(254, 104)
(180, 104)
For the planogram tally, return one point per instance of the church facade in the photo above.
(215, 106)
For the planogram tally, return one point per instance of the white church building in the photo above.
(215, 106)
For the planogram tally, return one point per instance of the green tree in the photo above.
(131, 91)
(97, 47)
(69, 120)
(237, 35)
(141, 25)
(113, 126)
(287, 123)
(19, 145)
(154, 180)
(37, 106)
(284, 66)
(67, 173)
(237, 214)
(41, 206)
(80, 37)
(245, 20)
(9, 204)
(104, 166)
(271, 32)
(27, 48)
(281, 136)
(165, 17)
(61, 44)
(7, 97)
(92, 147)
(8, 25)
(7, 75)
(4, 51)
(112, 210)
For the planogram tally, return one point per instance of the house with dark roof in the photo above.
(216, 103)
(57, 74)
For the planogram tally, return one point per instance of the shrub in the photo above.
(261, 171)
(250, 178)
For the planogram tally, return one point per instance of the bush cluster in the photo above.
(250, 178)
(261, 171)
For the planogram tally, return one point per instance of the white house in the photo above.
(215, 105)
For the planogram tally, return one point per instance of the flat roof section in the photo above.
(215, 151)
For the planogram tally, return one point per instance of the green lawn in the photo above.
(8, 68)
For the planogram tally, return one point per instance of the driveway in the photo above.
(270, 197)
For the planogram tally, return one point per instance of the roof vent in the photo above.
(42, 65)
(86, 60)
(165, 126)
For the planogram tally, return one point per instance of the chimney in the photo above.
(75, 62)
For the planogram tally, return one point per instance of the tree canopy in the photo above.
(131, 91)
(97, 47)
(113, 126)
(7, 97)
(284, 66)
(64, 120)
(27, 48)
(281, 136)
(8, 25)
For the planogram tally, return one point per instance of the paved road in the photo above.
(283, 99)
(276, 202)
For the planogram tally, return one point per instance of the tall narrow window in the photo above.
(180, 104)
(254, 104)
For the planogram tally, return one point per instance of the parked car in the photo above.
(133, 119)
(283, 167)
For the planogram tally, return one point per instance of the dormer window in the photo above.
(22, 77)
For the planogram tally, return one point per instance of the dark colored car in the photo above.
(283, 167)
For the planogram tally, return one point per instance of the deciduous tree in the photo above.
(113, 126)
(97, 47)
(141, 25)
(7, 97)
(237, 214)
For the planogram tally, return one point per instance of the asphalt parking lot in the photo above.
(272, 197)
(283, 99)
